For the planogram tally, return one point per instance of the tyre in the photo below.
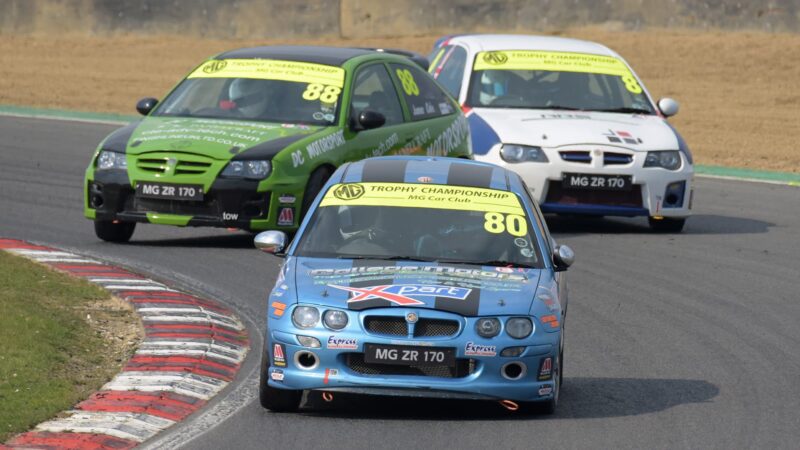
(315, 183)
(114, 232)
(667, 225)
(273, 399)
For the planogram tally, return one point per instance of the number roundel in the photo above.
(409, 85)
(631, 84)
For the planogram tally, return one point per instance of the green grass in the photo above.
(50, 357)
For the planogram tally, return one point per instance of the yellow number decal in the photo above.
(498, 223)
(631, 84)
(494, 223)
(325, 94)
(409, 85)
(330, 94)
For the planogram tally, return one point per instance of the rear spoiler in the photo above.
(416, 57)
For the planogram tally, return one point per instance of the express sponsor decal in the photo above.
(278, 355)
(473, 349)
(339, 343)
(400, 293)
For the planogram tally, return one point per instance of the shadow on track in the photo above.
(698, 224)
(581, 398)
(238, 240)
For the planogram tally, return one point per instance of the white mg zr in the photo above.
(574, 120)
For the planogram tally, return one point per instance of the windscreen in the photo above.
(427, 222)
(260, 90)
(555, 80)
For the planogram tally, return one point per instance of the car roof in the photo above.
(436, 170)
(494, 42)
(332, 56)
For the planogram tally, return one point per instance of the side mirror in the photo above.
(145, 105)
(270, 241)
(368, 119)
(563, 257)
(668, 106)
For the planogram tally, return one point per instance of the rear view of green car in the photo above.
(250, 136)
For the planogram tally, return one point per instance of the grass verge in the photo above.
(61, 338)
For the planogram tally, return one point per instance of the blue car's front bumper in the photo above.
(476, 376)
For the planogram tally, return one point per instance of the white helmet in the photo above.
(250, 96)
(494, 83)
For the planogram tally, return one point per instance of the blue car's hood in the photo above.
(464, 289)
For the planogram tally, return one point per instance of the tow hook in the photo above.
(327, 396)
(509, 405)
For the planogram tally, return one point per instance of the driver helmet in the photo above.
(354, 220)
(494, 83)
(249, 96)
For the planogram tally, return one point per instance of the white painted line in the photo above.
(187, 308)
(123, 287)
(64, 118)
(749, 180)
(179, 382)
(34, 253)
(190, 352)
(118, 280)
(65, 260)
(232, 352)
(134, 426)
(183, 319)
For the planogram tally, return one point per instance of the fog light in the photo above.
(673, 196)
(512, 351)
(308, 341)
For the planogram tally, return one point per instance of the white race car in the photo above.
(574, 120)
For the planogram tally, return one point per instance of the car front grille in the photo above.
(612, 159)
(576, 156)
(397, 326)
(557, 194)
(463, 368)
(257, 205)
(160, 165)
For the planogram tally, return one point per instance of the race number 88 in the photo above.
(631, 84)
(325, 94)
(409, 85)
(498, 223)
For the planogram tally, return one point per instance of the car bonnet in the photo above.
(469, 290)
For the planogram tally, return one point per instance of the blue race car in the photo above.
(418, 276)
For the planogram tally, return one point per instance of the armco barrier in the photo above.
(380, 18)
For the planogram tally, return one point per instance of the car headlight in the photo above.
(670, 159)
(522, 153)
(111, 160)
(335, 319)
(256, 169)
(488, 327)
(519, 327)
(305, 316)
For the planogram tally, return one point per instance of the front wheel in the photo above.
(667, 225)
(111, 231)
(277, 400)
(315, 183)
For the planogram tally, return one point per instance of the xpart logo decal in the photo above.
(400, 293)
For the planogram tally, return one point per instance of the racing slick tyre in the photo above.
(114, 232)
(315, 183)
(277, 400)
(666, 225)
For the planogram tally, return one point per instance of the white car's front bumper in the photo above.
(656, 192)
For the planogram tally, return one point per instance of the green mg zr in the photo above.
(250, 136)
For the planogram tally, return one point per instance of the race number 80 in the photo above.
(498, 223)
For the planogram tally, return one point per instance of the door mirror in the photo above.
(369, 119)
(145, 105)
(563, 257)
(271, 242)
(668, 106)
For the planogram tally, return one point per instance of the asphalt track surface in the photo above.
(673, 341)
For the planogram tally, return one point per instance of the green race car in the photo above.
(250, 136)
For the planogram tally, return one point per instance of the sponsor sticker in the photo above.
(339, 343)
(545, 390)
(521, 242)
(546, 369)
(285, 217)
(276, 375)
(278, 355)
(400, 293)
(473, 349)
(287, 198)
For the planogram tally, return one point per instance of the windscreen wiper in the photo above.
(388, 258)
(493, 263)
(625, 110)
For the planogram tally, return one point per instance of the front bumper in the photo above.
(229, 203)
(475, 377)
(656, 191)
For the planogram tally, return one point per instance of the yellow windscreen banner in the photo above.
(436, 196)
(271, 69)
(551, 61)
